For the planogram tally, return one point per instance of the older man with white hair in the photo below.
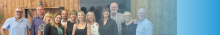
(118, 17)
(144, 26)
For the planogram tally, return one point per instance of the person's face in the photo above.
(141, 14)
(114, 7)
(90, 17)
(64, 14)
(127, 17)
(18, 13)
(58, 19)
(72, 16)
(105, 14)
(80, 16)
(48, 19)
(40, 10)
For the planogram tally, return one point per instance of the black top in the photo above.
(110, 28)
(129, 30)
(69, 28)
(50, 30)
(81, 31)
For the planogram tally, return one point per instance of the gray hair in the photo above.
(141, 9)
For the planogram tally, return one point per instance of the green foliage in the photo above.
(1, 17)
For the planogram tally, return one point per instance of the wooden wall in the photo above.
(162, 14)
(7, 7)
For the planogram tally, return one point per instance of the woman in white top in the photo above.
(90, 18)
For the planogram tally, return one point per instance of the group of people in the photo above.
(80, 23)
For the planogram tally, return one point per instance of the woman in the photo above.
(68, 27)
(81, 27)
(54, 27)
(47, 19)
(90, 18)
(128, 27)
(107, 26)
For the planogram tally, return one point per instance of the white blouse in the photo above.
(94, 29)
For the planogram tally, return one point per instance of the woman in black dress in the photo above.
(81, 27)
(107, 26)
(128, 27)
(68, 27)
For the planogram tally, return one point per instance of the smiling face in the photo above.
(114, 7)
(90, 17)
(105, 14)
(48, 19)
(58, 19)
(72, 16)
(64, 14)
(18, 12)
(81, 16)
(141, 13)
(127, 17)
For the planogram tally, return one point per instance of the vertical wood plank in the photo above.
(57, 3)
(66, 7)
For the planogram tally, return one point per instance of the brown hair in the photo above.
(52, 22)
(102, 17)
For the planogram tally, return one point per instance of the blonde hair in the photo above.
(52, 22)
(83, 16)
(73, 12)
(128, 13)
(47, 15)
(87, 20)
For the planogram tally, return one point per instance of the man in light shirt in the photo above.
(144, 26)
(64, 15)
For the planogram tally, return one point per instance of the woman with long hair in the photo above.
(107, 26)
(90, 18)
(54, 27)
(81, 27)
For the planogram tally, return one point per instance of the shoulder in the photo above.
(25, 19)
(34, 18)
(111, 20)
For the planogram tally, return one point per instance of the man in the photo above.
(144, 26)
(118, 17)
(17, 25)
(38, 20)
(64, 15)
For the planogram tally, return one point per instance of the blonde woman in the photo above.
(81, 27)
(90, 18)
(47, 19)
(54, 27)
(68, 27)
(128, 27)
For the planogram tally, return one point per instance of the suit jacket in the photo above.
(51, 30)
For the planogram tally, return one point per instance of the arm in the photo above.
(47, 29)
(5, 26)
(88, 29)
(74, 28)
(3, 31)
(29, 31)
(39, 33)
(65, 28)
(29, 28)
(115, 28)
(32, 28)
(149, 29)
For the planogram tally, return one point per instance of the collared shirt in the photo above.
(118, 17)
(63, 23)
(94, 29)
(36, 22)
(41, 28)
(144, 27)
(17, 28)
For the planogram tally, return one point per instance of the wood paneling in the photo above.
(162, 14)
(7, 7)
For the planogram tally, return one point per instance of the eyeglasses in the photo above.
(18, 11)
(127, 15)
(39, 9)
